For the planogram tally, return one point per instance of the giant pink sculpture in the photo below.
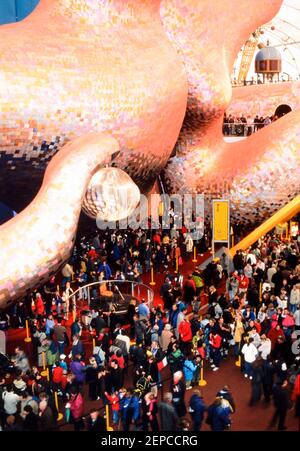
(133, 69)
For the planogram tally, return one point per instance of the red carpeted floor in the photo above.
(246, 418)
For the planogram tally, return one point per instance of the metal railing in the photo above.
(124, 287)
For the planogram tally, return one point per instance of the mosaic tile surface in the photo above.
(36, 242)
(258, 175)
(78, 66)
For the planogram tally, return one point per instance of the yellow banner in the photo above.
(221, 220)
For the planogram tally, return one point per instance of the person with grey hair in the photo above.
(167, 413)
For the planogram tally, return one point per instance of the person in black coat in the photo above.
(30, 422)
(178, 392)
(238, 261)
(95, 422)
(98, 323)
(131, 311)
(267, 378)
(167, 413)
(197, 409)
(256, 383)
(115, 376)
(282, 403)
(91, 378)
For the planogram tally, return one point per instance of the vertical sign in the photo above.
(221, 222)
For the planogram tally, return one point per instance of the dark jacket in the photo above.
(168, 417)
(96, 426)
(217, 418)
(227, 395)
(78, 349)
(178, 392)
(46, 420)
(281, 398)
(198, 407)
(116, 378)
(30, 422)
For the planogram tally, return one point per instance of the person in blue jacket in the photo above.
(129, 409)
(218, 417)
(189, 369)
(104, 267)
(197, 409)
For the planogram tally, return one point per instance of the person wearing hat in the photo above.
(228, 401)
(218, 417)
(62, 363)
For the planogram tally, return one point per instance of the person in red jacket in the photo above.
(296, 397)
(76, 405)
(243, 283)
(157, 238)
(39, 305)
(274, 333)
(185, 335)
(215, 341)
(115, 405)
(59, 378)
(119, 358)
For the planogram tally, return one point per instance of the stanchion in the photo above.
(260, 292)
(176, 267)
(27, 339)
(108, 427)
(152, 277)
(74, 315)
(238, 362)
(44, 372)
(195, 255)
(48, 374)
(202, 381)
(59, 415)
(94, 344)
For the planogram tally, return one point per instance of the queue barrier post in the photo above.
(59, 414)
(108, 427)
(202, 381)
(238, 362)
(195, 255)
(176, 267)
(152, 277)
(27, 339)
(44, 372)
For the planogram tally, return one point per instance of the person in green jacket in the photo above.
(199, 283)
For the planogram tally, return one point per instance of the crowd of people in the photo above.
(242, 125)
(143, 365)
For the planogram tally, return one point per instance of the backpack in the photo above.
(121, 345)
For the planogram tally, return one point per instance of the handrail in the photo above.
(110, 281)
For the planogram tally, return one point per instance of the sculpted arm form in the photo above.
(36, 242)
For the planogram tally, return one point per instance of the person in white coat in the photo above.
(250, 353)
(265, 347)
